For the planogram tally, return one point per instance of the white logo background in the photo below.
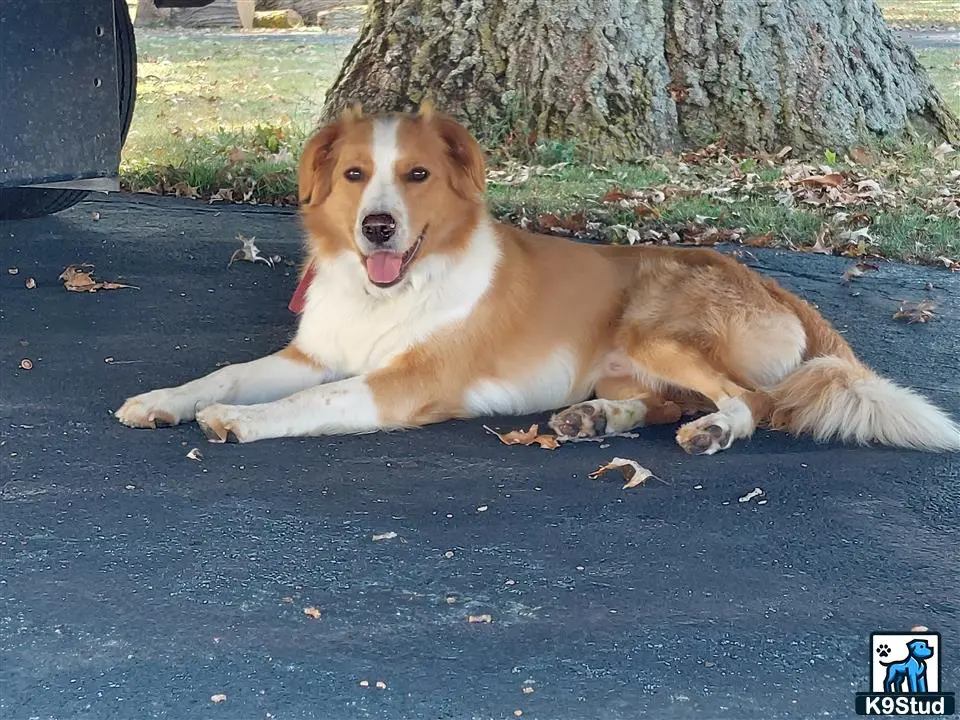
(897, 642)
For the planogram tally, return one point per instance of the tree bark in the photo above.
(624, 78)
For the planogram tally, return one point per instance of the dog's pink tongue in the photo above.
(384, 267)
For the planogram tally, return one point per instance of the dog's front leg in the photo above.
(398, 397)
(268, 378)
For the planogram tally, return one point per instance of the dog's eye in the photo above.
(418, 175)
(353, 174)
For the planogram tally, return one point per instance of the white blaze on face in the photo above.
(382, 197)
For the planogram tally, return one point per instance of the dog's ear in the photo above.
(314, 179)
(470, 172)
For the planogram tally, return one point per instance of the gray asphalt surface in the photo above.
(136, 583)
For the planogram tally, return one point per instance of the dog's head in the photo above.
(391, 189)
(920, 649)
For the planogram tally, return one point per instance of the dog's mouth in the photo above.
(386, 268)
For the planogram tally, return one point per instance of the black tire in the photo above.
(23, 203)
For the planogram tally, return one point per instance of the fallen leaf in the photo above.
(312, 612)
(194, 454)
(942, 151)
(828, 180)
(385, 536)
(547, 442)
(633, 472)
(79, 278)
(225, 194)
(516, 437)
(526, 437)
(218, 698)
(236, 156)
(760, 240)
(920, 312)
(861, 156)
(184, 189)
(249, 252)
(858, 270)
(479, 619)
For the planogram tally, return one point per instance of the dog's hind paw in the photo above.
(596, 418)
(706, 435)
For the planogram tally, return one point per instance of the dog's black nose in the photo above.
(378, 228)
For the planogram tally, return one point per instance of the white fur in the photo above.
(337, 408)
(546, 386)
(262, 380)
(381, 195)
(354, 327)
(865, 409)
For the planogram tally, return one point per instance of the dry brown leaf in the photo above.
(547, 442)
(920, 312)
(526, 437)
(614, 195)
(858, 270)
(760, 240)
(823, 181)
(185, 190)
(79, 278)
(479, 619)
(516, 437)
(225, 194)
(312, 612)
(633, 472)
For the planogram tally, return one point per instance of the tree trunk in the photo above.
(624, 78)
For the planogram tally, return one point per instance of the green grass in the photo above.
(921, 13)
(227, 113)
(943, 67)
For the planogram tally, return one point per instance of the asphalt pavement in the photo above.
(138, 583)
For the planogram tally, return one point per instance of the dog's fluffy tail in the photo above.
(836, 397)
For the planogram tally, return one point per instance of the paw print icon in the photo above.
(883, 650)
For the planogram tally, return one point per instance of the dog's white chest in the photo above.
(353, 329)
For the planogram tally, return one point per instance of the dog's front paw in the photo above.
(222, 424)
(154, 409)
(706, 435)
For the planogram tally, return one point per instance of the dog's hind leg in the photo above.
(621, 404)
(683, 366)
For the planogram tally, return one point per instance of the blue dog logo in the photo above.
(912, 669)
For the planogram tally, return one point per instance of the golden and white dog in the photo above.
(419, 308)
